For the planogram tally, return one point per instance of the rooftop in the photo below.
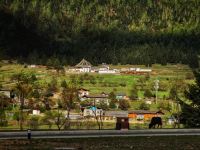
(84, 63)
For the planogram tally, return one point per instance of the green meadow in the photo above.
(120, 83)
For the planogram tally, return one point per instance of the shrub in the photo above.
(144, 106)
(124, 104)
(34, 122)
(3, 123)
(148, 93)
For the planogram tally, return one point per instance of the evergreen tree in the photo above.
(113, 100)
(148, 93)
(191, 111)
(134, 93)
(129, 32)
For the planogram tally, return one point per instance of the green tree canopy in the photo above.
(191, 110)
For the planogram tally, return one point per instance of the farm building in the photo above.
(105, 70)
(82, 92)
(92, 112)
(120, 96)
(143, 114)
(7, 93)
(138, 71)
(84, 66)
(97, 98)
(120, 117)
(112, 115)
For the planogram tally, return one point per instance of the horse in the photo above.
(155, 121)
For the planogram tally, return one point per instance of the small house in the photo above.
(121, 96)
(98, 98)
(140, 115)
(7, 93)
(105, 70)
(32, 66)
(92, 112)
(82, 92)
(36, 112)
(84, 66)
(112, 115)
(75, 117)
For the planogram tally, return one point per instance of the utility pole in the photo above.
(156, 87)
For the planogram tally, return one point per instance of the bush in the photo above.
(189, 76)
(124, 104)
(165, 106)
(3, 123)
(48, 119)
(123, 84)
(34, 122)
(148, 93)
(144, 106)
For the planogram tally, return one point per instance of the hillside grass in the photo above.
(104, 83)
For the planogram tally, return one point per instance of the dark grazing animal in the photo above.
(155, 121)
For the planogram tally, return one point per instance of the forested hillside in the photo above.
(111, 31)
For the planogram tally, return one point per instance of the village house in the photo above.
(121, 96)
(142, 115)
(105, 69)
(7, 93)
(120, 117)
(31, 66)
(92, 112)
(36, 112)
(74, 116)
(149, 101)
(97, 99)
(139, 71)
(112, 115)
(83, 66)
(36, 66)
(124, 69)
(82, 92)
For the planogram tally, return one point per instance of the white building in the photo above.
(143, 70)
(83, 66)
(82, 92)
(92, 112)
(105, 69)
(36, 112)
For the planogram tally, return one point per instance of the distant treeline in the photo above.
(111, 31)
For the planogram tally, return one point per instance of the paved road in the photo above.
(99, 133)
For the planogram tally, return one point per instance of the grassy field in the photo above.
(88, 126)
(103, 83)
(106, 143)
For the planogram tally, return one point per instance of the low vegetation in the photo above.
(107, 143)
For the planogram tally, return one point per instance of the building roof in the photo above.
(82, 89)
(145, 112)
(121, 94)
(83, 63)
(5, 90)
(96, 96)
(116, 113)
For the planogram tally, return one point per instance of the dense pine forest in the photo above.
(110, 31)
